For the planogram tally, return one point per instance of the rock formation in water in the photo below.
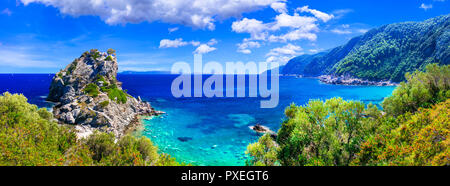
(88, 95)
(264, 130)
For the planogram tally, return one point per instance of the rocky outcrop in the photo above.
(88, 95)
(264, 130)
(348, 80)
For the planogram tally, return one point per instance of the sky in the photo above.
(43, 36)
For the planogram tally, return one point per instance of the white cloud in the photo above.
(425, 6)
(283, 54)
(341, 31)
(6, 11)
(313, 51)
(341, 13)
(212, 42)
(279, 7)
(246, 44)
(298, 27)
(255, 27)
(245, 51)
(195, 43)
(204, 48)
(293, 36)
(173, 29)
(304, 28)
(346, 29)
(201, 49)
(288, 49)
(363, 30)
(167, 43)
(295, 21)
(195, 13)
(321, 15)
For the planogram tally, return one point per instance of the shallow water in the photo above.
(204, 131)
(218, 128)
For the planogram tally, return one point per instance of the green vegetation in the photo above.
(322, 133)
(95, 54)
(424, 89)
(115, 93)
(263, 152)
(111, 51)
(99, 78)
(104, 104)
(30, 137)
(415, 130)
(385, 53)
(91, 89)
(109, 58)
(420, 139)
(72, 67)
(128, 150)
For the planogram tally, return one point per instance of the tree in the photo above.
(414, 128)
(111, 51)
(29, 136)
(422, 139)
(263, 152)
(319, 133)
(422, 89)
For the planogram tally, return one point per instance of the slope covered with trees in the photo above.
(385, 53)
(413, 128)
(29, 136)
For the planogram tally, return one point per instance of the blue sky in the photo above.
(43, 36)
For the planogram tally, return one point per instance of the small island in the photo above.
(88, 95)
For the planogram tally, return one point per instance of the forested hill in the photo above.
(384, 53)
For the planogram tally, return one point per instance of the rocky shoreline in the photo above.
(88, 95)
(346, 80)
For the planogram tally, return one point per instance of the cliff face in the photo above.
(88, 95)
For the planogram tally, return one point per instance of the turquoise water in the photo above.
(215, 131)
(204, 131)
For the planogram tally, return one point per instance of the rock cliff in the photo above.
(88, 95)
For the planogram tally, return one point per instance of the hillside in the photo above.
(384, 53)
(299, 63)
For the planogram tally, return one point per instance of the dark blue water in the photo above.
(205, 131)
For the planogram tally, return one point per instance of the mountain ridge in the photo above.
(385, 53)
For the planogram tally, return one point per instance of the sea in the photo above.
(201, 130)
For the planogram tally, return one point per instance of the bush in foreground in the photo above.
(414, 129)
(30, 137)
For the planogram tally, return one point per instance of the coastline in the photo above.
(347, 80)
(344, 80)
(137, 124)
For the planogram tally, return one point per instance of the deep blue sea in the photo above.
(204, 131)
